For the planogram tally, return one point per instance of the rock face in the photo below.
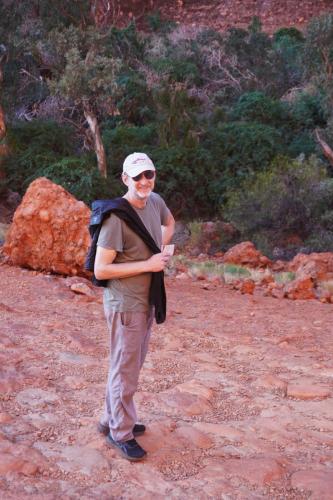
(246, 254)
(49, 231)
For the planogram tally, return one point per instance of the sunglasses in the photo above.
(149, 174)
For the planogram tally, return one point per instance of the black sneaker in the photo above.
(138, 429)
(128, 449)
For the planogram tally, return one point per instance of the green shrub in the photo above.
(257, 107)
(156, 23)
(80, 177)
(35, 145)
(184, 176)
(309, 110)
(301, 143)
(46, 149)
(292, 197)
(123, 140)
(240, 149)
(292, 33)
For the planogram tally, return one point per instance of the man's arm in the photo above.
(168, 229)
(105, 269)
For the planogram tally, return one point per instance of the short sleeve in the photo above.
(111, 234)
(163, 209)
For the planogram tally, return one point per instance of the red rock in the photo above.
(49, 231)
(319, 482)
(300, 288)
(280, 266)
(258, 471)
(306, 389)
(5, 418)
(247, 286)
(318, 266)
(9, 463)
(272, 381)
(194, 436)
(182, 276)
(278, 292)
(10, 381)
(82, 289)
(246, 254)
(20, 458)
(220, 430)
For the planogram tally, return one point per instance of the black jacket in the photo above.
(101, 209)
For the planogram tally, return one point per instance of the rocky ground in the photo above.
(236, 393)
(216, 14)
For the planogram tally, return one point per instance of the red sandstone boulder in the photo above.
(300, 288)
(49, 230)
(318, 266)
(246, 286)
(246, 254)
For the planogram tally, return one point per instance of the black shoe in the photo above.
(128, 449)
(138, 429)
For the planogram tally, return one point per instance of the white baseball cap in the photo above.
(136, 163)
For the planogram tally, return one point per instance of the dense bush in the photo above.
(240, 149)
(35, 145)
(46, 149)
(80, 177)
(290, 198)
(257, 107)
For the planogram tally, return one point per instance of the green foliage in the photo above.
(35, 145)
(240, 149)
(292, 33)
(319, 46)
(176, 120)
(284, 277)
(184, 179)
(257, 107)
(156, 23)
(80, 177)
(292, 197)
(46, 149)
(122, 140)
(301, 143)
(84, 73)
(124, 43)
(236, 270)
(309, 111)
(135, 102)
(178, 70)
(258, 67)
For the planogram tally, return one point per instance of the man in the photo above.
(124, 259)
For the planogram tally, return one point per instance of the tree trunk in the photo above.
(98, 144)
(328, 152)
(4, 149)
(2, 124)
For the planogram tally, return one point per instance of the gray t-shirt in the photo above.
(131, 294)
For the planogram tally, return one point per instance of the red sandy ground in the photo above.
(236, 394)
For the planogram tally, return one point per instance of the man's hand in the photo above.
(105, 269)
(157, 262)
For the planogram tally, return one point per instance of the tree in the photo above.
(84, 75)
(65, 54)
(318, 60)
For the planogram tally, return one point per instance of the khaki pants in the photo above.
(129, 338)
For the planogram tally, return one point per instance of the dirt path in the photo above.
(236, 393)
